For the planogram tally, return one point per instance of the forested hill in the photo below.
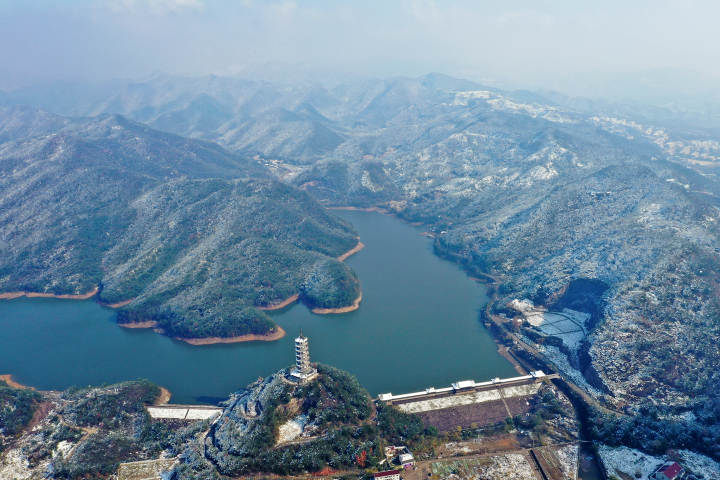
(609, 210)
(547, 194)
(196, 236)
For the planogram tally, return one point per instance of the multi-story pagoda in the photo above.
(303, 370)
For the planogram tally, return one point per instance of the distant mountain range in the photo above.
(539, 191)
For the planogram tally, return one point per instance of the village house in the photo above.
(406, 460)
(387, 475)
(400, 455)
(668, 471)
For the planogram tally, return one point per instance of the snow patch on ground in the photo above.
(628, 461)
(700, 464)
(546, 112)
(521, 390)
(632, 462)
(291, 429)
(15, 466)
(367, 182)
(545, 172)
(522, 306)
(511, 466)
(462, 98)
(63, 448)
(560, 360)
(568, 325)
(568, 458)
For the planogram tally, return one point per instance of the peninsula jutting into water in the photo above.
(417, 326)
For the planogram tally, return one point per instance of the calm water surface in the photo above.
(417, 326)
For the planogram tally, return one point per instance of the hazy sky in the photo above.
(528, 42)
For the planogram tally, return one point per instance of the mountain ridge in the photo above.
(111, 203)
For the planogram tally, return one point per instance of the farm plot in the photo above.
(512, 466)
(448, 419)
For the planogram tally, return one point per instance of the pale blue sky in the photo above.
(529, 43)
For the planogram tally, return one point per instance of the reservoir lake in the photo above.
(417, 326)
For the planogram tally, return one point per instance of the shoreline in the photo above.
(384, 211)
(482, 278)
(147, 324)
(7, 378)
(63, 296)
(251, 337)
(294, 298)
(352, 251)
(276, 335)
(358, 209)
(117, 304)
(350, 308)
(280, 305)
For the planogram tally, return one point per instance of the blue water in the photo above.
(417, 326)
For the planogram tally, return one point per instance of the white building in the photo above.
(388, 475)
(406, 459)
(303, 370)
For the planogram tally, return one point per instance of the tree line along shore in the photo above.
(274, 333)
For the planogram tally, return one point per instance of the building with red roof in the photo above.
(668, 471)
(387, 475)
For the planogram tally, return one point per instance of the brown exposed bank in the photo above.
(7, 378)
(350, 308)
(294, 298)
(82, 296)
(117, 304)
(277, 306)
(164, 397)
(276, 334)
(148, 324)
(352, 251)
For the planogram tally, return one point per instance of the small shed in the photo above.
(406, 459)
(463, 384)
